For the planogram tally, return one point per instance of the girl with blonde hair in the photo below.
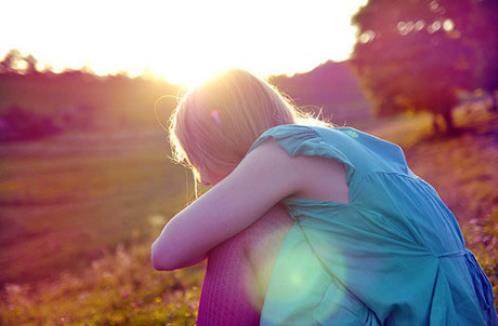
(310, 223)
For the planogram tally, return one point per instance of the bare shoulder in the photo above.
(271, 151)
(310, 175)
(269, 168)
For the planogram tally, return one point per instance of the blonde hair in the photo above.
(215, 123)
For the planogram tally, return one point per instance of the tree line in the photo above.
(422, 55)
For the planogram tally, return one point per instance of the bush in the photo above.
(20, 124)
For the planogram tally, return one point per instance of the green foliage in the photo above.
(415, 55)
(119, 288)
(482, 237)
(479, 29)
(18, 124)
(73, 194)
(74, 99)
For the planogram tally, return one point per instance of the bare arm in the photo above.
(264, 177)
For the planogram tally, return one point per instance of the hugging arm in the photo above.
(264, 177)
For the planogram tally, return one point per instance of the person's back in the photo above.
(386, 252)
(392, 254)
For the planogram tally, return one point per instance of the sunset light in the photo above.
(180, 41)
(138, 185)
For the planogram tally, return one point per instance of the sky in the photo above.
(183, 41)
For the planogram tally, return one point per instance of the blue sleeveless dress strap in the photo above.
(392, 255)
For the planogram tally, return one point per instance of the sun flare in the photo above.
(182, 41)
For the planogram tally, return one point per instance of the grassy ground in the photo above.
(79, 196)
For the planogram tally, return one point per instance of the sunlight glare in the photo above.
(182, 41)
(298, 278)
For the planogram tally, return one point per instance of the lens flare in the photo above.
(216, 117)
(296, 288)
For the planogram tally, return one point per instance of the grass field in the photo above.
(78, 193)
(78, 214)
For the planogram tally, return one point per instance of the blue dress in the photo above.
(392, 255)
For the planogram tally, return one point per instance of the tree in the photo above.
(10, 61)
(31, 64)
(482, 32)
(413, 55)
(15, 62)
